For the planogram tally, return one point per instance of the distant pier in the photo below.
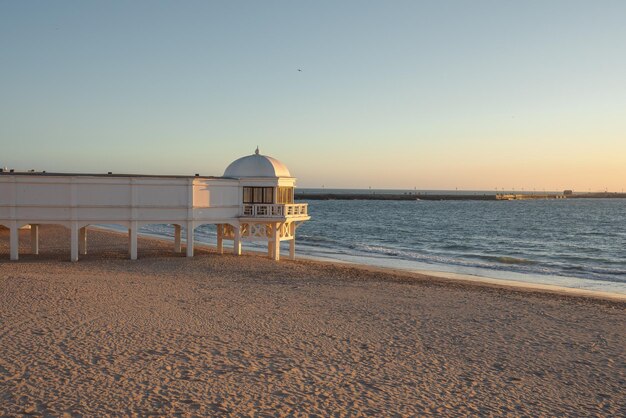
(511, 196)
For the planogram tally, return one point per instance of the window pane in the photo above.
(285, 195)
(247, 195)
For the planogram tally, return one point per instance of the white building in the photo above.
(252, 201)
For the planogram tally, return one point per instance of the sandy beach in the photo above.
(243, 336)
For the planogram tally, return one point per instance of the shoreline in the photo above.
(467, 279)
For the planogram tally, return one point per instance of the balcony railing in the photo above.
(273, 211)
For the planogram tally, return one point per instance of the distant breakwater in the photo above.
(373, 196)
(439, 196)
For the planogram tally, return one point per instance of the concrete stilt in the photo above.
(14, 237)
(190, 239)
(82, 241)
(276, 249)
(34, 238)
(74, 242)
(292, 243)
(237, 241)
(132, 240)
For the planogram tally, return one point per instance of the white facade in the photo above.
(79, 200)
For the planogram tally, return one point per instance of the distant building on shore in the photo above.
(252, 201)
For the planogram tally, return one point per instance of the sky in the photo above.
(476, 95)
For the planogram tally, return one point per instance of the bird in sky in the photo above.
(299, 70)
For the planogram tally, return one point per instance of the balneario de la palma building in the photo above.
(252, 201)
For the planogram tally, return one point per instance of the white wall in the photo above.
(102, 199)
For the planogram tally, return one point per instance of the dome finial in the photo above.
(257, 150)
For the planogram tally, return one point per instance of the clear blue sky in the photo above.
(439, 94)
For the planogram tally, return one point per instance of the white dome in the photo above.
(256, 165)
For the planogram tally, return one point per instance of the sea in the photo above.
(576, 243)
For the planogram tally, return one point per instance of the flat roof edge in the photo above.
(113, 175)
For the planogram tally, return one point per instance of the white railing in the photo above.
(272, 211)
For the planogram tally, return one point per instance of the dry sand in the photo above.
(242, 336)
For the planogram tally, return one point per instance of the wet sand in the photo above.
(214, 335)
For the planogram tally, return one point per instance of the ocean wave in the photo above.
(320, 240)
(503, 259)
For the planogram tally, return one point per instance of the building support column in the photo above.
(177, 239)
(74, 242)
(34, 238)
(190, 239)
(276, 249)
(292, 249)
(14, 237)
(237, 241)
(220, 238)
(270, 248)
(292, 243)
(132, 240)
(82, 241)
